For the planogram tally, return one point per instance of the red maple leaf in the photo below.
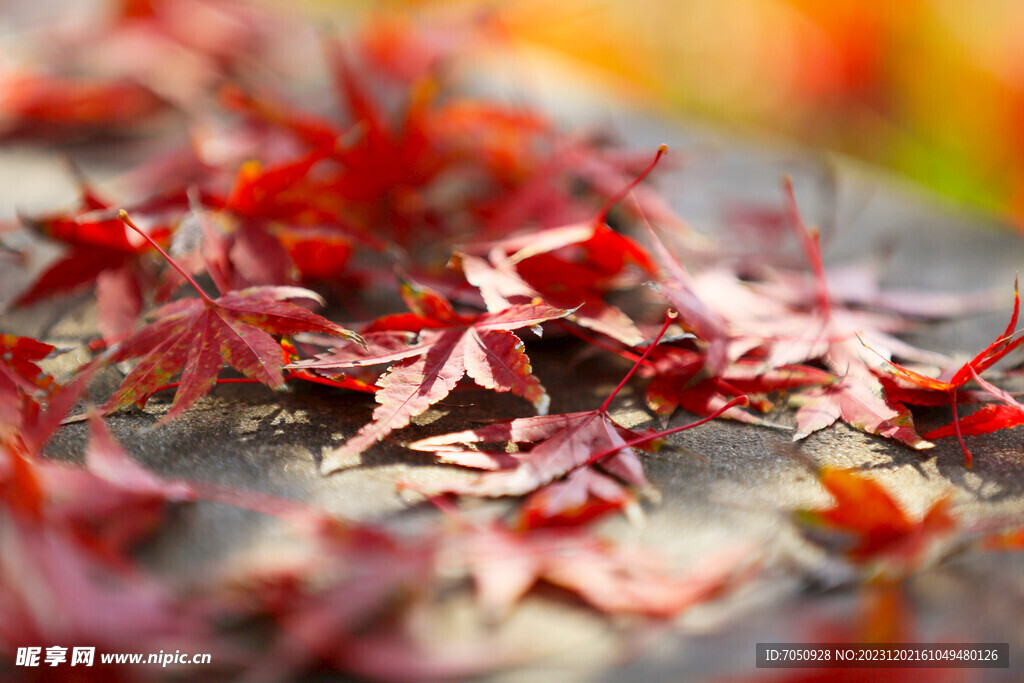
(506, 564)
(289, 355)
(681, 380)
(64, 574)
(449, 346)
(197, 336)
(55, 590)
(579, 498)
(248, 256)
(947, 389)
(987, 419)
(291, 205)
(740, 318)
(106, 507)
(551, 447)
(573, 266)
(18, 364)
(386, 158)
(311, 130)
(867, 525)
(326, 619)
(22, 382)
(380, 166)
(102, 255)
(40, 105)
(560, 444)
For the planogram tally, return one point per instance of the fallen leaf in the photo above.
(505, 565)
(197, 336)
(987, 419)
(973, 368)
(549, 447)
(572, 266)
(735, 318)
(867, 525)
(450, 345)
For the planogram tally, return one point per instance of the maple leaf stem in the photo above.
(968, 458)
(669, 317)
(811, 244)
(602, 215)
(738, 401)
(123, 215)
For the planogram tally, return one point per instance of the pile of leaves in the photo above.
(490, 225)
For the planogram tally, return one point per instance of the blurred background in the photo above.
(931, 89)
